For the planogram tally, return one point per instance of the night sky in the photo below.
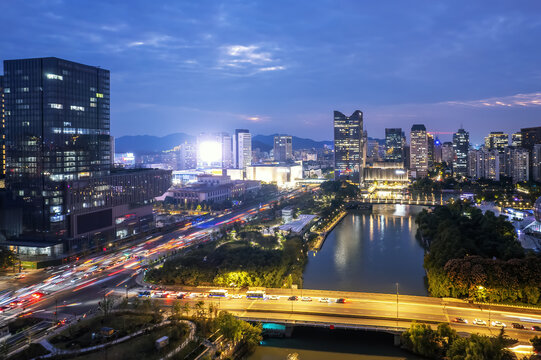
(284, 66)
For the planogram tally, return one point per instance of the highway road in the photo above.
(374, 310)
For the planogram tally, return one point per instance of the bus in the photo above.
(218, 293)
(256, 294)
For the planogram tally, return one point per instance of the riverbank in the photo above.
(322, 235)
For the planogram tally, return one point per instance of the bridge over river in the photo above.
(372, 311)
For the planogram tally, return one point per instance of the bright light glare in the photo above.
(210, 151)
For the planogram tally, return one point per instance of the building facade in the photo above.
(484, 164)
(447, 153)
(497, 140)
(57, 130)
(516, 139)
(283, 148)
(461, 144)
(394, 145)
(242, 149)
(349, 155)
(517, 164)
(418, 151)
(536, 163)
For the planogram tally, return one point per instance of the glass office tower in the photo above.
(394, 145)
(57, 130)
(348, 146)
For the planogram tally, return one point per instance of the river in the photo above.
(369, 252)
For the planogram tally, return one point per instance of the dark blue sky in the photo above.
(284, 66)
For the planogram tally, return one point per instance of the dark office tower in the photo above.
(348, 146)
(530, 137)
(461, 144)
(57, 130)
(2, 134)
(283, 148)
(437, 150)
(394, 145)
(430, 147)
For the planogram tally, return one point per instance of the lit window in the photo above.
(55, 77)
(92, 104)
(7, 90)
(99, 95)
(77, 108)
(56, 106)
(92, 99)
(25, 89)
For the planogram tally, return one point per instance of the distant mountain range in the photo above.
(144, 144)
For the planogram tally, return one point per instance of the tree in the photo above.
(106, 305)
(186, 308)
(176, 310)
(7, 258)
(536, 343)
(200, 309)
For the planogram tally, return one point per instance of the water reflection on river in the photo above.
(370, 252)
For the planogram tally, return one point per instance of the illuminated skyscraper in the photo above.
(516, 139)
(484, 164)
(447, 153)
(394, 145)
(242, 149)
(461, 144)
(536, 163)
(2, 134)
(283, 148)
(437, 150)
(348, 146)
(517, 164)
(419, 150)
(497, 140)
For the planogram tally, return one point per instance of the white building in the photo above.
(242, 149)
(517, 164)
(419, 150)
(283, 175)
(484, 164)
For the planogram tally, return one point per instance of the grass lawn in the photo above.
(79, 335)
(142, 347)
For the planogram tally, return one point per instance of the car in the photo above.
(517, 326)
(324, 300)
(460, 320)
(273, 297)
(306, 298)
(536, 328)
(181, 296)
(293, 298)
(236, 296)
(498, 324)
(341, 301)
(479, 322)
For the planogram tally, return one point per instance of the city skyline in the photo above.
(250, 66)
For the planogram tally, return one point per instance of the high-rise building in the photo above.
(283, 148)
(536, 163)
(461, 144)
(419, 150)
(484, 164)
(349, 155)
(437, 150)
(430, 148)
(517, 164)
(497, 140)
(372, 150)
(214, 150)
(447, 153)
(2, 134)
(394, 144)
(516, 139)
(530, 137)
(242, 149)
(186, 156)
(57, 129)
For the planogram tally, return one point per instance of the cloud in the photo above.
(248, 60)
(518, 100)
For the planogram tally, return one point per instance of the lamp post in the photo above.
(396, 304)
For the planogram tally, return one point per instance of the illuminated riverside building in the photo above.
(418, 151)
(349, 156)
(214, 150)
(461, 144)
(283, 148)
(283, 175)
